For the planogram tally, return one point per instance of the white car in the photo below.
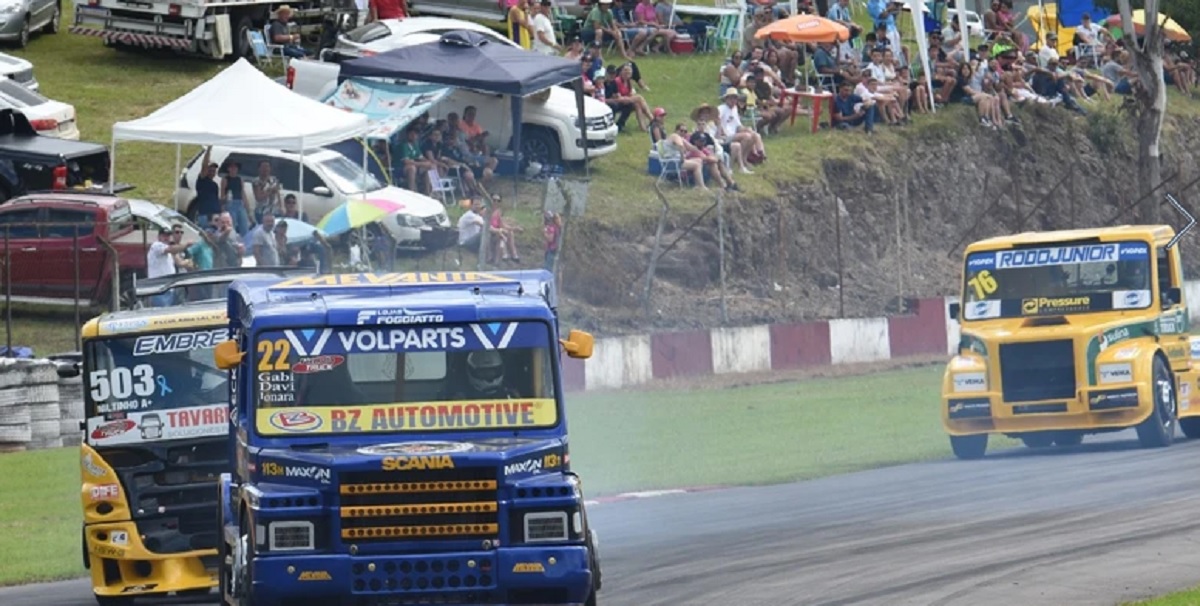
(19, 70)
(330, 179)
(46, 116)
(551, 131)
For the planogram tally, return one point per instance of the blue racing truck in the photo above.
(401, 439)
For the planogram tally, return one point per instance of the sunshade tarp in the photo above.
(466, 59)
(388, 106)
(242, 107)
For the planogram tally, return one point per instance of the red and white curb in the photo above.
(647, 494)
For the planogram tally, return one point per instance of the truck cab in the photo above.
(401, 438)
(1069, 333)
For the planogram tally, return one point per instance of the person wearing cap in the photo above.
(544, 41)
(600, 23)
(575, 50)
(278, 30)
(208, 193)
(657, 130)
(731, 132)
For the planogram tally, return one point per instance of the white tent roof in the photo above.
(242, 107)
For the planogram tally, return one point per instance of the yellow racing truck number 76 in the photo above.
(1070, 333)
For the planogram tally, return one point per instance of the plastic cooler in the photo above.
(683, 43)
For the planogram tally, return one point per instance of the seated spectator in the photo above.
(1005, 22)
(635, 75)
(1016, 87)
(705, 118)
(278, 30)
(657, 130)
(470, 227)
(883, 70)
(771, 112)
(887, 103)
(449, 159)
(600, 25)
(413, 162)
(646, 16)
(675, 147)
(1178, 73)
(291, 211)
(731, 130)
(716, 162)
(637, 34)
(840, 11)
(589, 85)
(1051, 82)
(503, 234)
(851, 110)
(730, 73)
(826, 65)
(986, 105)
(1049, 50)
(1116, 69)
(470, 146)
(1092, 38)
(574, 49)
(1086, 83)
(620, 93)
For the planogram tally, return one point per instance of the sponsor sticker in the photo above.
(108, 551)
(140, 588)
(965, 382)
(970, 409)
(178, 342)
(192, 422)
(315, 473)
(90, 466)
(1169, 324)
(1130, 299)
(534, 465)
(982, 310)
(112, 429)
(294, 421)
(409, 417)
(1185, 395)
(277, 388)
(1128, 353)
(1194, 342)
(317, 364)
(105, 492)
(1113, 336)
(391, 279)
(400, 316)
(1118, 398)
(1054, 305)
(417, 463)
(1116, 373)
(119, 537)
(1063, 255)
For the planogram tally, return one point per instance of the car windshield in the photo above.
(390, 375)
(19, 95)
(1057, 279)
(368, 33)
(347, 176)
(149, 387)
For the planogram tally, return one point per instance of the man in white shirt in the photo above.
(543, 30)
(738, 140)
(1090, 36)
(160, 261)
(1049, 51)
(470, 227)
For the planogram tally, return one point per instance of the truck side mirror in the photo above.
(227, 355)
(579, 344)
(67, 370)
(955, 309)
(1171, 296)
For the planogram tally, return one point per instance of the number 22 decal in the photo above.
(280, 349)
(122, 383)
(983, 283)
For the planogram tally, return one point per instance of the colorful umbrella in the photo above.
(356, 213)
(1172, 30)
(806, 29)
(298, 231)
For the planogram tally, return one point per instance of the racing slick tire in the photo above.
(1158, 430)
(1068, 438)
(1038, 439)
(114, 600)
(1190, 427)
(969, 447)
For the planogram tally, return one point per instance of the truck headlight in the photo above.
(546, 526)
(968, 382)
(1116, 373)
(291, 536)
(409, 221)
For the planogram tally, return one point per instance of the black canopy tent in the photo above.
(466, 59)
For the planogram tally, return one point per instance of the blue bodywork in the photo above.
(400, 517)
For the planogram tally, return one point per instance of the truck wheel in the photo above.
(23, 36)
(540, 144)
(241, 40)
(109, 600)
(1190, 427)
(969, 447)
(1158, 430)
(55, 20)
(1068, 438)
(1038, 439)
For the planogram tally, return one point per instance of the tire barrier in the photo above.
(37, 408)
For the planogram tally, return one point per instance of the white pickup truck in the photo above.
(550, 132)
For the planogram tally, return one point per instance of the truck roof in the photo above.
(157, 319)
(1153, 233)
(340, 300)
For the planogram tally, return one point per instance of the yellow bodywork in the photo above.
(119, 563)
(1113, 350)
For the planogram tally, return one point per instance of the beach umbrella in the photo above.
(353, 214)
(805, 29)
(1171, 30)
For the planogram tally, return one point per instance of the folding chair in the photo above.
(672, 165)
(264, 53)
(442, 186)
(723, 35)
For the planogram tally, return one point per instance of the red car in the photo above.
(43, 236)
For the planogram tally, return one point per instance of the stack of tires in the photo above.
(70, 409)
(41, 384)
(15, 419)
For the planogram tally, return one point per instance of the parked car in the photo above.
(18, 70)
(30, 162)
(330, 179)
(45, 233)
(20, 18)
(46, 116)
(550, 132)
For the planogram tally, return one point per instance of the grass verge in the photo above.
(631, 440)
(1191, 597)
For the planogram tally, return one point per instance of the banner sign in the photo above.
(388, 106)
(468, 415)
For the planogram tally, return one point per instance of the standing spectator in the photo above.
(600, 23)
(732, 131)
(470, 227)
(504, 242)
(228, 246)
(278, 30)
(543, 29)
(851, 110)
(290, 211)
(840, 12)
(160, 261)
(289, 254)
(233, 197)
(519, 28)
(208, 197)
(266, 192)
(266, 253)
(379, 10)
(551, 232)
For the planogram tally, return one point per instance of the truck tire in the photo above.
(1038, 439)
(109, 600)
(241, 40)
(969, 447)
(540, 144)
(1158, 430)
(23, 36)
(55, 20)
(1190, 427)
(1068, 438)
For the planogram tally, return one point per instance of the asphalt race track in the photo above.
(1097, 524)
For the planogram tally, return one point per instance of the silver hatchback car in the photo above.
(20, 18)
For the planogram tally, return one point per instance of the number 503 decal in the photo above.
(122, 383)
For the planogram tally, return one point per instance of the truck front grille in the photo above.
(1043, 370)
(444, 505)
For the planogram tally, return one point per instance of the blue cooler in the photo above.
(508, 162)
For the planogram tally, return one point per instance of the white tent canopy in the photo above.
(242, 107)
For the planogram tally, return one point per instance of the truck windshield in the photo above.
(413, 378)
(152, 387)
(1056, 280)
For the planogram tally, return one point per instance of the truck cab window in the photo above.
(61, 223)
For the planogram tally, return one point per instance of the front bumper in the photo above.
(123, 567)
(514, 575)
(1094, 408)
